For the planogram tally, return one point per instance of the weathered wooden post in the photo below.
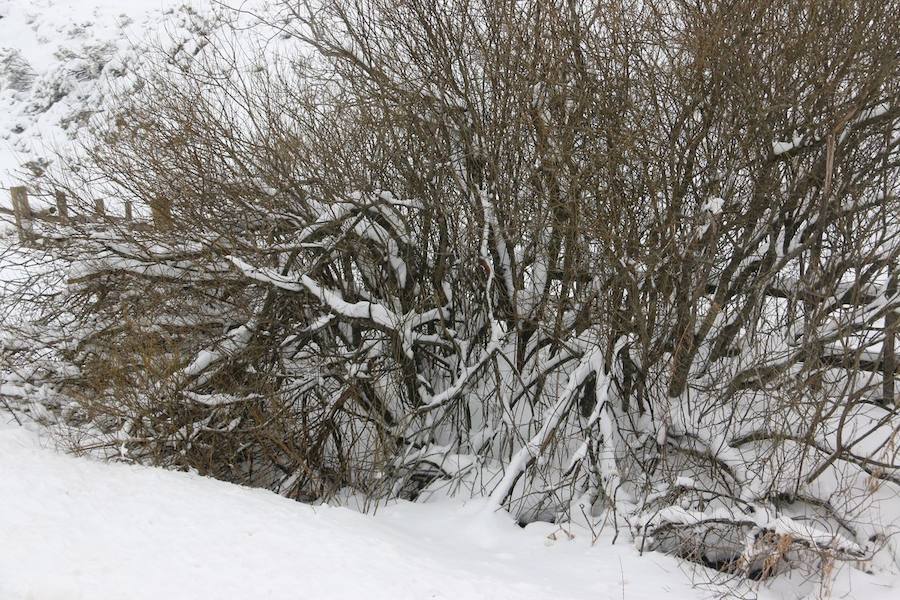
(161, 208)
(99, 208)
(22, 213)
(129, 217)
(62, 208)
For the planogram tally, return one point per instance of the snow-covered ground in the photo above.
(75, 528)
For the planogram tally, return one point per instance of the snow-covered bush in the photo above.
(15, 72)
(587, 260)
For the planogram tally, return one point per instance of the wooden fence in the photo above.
(25, 215)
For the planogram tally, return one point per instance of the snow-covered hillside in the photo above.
(74, 528)
(59, 60)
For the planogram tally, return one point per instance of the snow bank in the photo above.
(76, 528)
(73, 528)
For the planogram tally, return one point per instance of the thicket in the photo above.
(620, 261)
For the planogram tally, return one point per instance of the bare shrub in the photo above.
(573, 257)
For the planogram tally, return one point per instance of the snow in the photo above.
(714, 205)
(77, 528)
(783, 147)
(58, 61)
(332, 299)
(236, 340)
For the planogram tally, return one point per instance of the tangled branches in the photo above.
(573, 257)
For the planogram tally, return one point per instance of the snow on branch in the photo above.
(761, 521)
(591, 363)
(372, 311)
(236, 340)
(462, 380)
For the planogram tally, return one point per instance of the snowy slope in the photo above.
(59, 61)
(74, 528)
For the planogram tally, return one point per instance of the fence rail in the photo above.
(25, 215)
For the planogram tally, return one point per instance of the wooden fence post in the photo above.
(62, 209)
(161, 209)
(22, 213)
(129, 217)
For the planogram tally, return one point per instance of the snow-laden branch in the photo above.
(372, 311)
(467, 373)
(505, 263)
(761, 521)
(591, 363)
(235, 341)
(107, 262)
